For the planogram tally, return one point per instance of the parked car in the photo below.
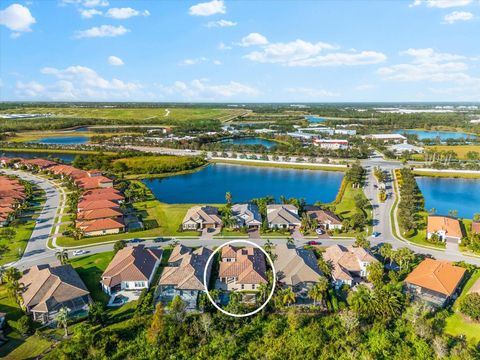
(376, 234)
(313, 242)
(319, 231)
(79, 252)
(134, 241)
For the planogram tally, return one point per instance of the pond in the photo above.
(67, 158)
(210, 184)
(250, 141)
(442, 135)
(446, 194)
(314, 119)
(62, 140)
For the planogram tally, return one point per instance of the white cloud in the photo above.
(223, 46)
(95, 3)
(208, 8)
(193, 61)
(310, 93)
(17, 18)
(442, 4)
(429, 65)
(115, 61)
(220, 23)
(458, 16)
(217, 62)
(125, 13)
(77, 83)
(304, 53)
(201, 89)
(102, 31)
(253, 39)
(89, 13)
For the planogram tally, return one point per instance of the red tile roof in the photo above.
(97, 204)
(100, 224)
(98, 214)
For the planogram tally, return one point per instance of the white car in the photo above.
(319, 231)
(79, 252)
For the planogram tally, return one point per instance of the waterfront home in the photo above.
(476, 227)
(247, 215)
(283, 216)
(445, 227)
(331, 144)
(7, 161)
(132, 268)
(296, 268)
(349, 264)
(434, 281)
(201, 217)
(110, 194)
(103, 213)
(241, 268)
(183, 276)
(12, 194)
(99, 227)
(35, 164)
(93, 182)
(86, 205)
(324, 218)
(48, 288)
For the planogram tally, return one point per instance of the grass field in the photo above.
(129, 115)
(23, 230)
(447, 174)
(284, 166)
(151, 165)
(460, 150)
(455, 324)
(346, 207)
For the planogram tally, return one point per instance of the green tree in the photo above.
(23, 325)
(62, 256)
(228, 197)
(119, 245)
(288, 297)
(157, 325)
(62, 319)
(178, 309)
(318, 291)
(375, 273)
(361, 301)
(470, 306)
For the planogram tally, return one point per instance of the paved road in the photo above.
(382, 222)
(36, 248)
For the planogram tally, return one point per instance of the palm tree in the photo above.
(62, 319)
(361, 301)
(317, 292)
(228, 197)
(404, 256)
(325, 266)
(387, 252)
(262, 292)
(290, 241)
(15, 290)
(288, 297)
(62, 256)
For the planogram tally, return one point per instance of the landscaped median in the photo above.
(451, 173)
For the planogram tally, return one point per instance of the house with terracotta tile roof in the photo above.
(86, 205)
(435, 281)
(88, 183)
(241, 268)
(445, 227)
(99, 227)
(296, 268)
(201, 217)
(132, 268)
(350, 264)
(183, 276)
(476, 227)
(48, 288)
(282, 216)
(36, 164)
(324, 218)
(98, 194)
(103, 213)
(12, 194)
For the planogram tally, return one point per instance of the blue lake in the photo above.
(314, 119)
(68, 158)
(63, 140)
(210, 184)
(442, 135)
(446, 194)
(250, 141)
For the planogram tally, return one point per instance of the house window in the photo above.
(243, 286)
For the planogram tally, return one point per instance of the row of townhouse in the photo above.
(12, 195)
(99, 211)
(279, 216)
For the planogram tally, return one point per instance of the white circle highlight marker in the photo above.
(206, 286)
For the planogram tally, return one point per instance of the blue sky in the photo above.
(245, 51)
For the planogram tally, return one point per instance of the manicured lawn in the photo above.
(420, 235)
(346, 207)
(456, 324)
(23, 230)
(90, 269)
(447, 174)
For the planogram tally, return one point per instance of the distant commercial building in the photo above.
(331, 144)
(386, 137)
(405, 147)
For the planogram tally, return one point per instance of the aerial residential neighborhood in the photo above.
(218, 179)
